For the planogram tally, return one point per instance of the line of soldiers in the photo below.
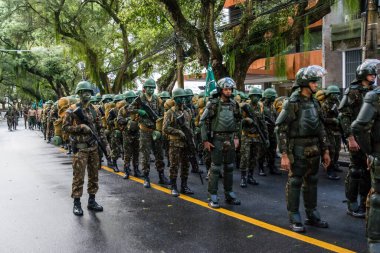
(227, 130)
(12, 116)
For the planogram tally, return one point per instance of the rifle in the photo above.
(190, 145)
(78, 112)
(151, 114)
(255, 125)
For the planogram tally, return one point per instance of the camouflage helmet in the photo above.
(130, 94)
(84, 85)
(255, 91)
(201, 94)
(98, 97)
(312, 73)
(49, 102)
(107, 98)
(179, 92)
(138, 93)
(150, 83)
(243, 95)
(164, 94)
(270, 93)
(93, 99)
(189, 92)
(368, 67)
(332, 89)
(118, 98)
(226, 82)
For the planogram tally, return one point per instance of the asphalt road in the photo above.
(36, 211)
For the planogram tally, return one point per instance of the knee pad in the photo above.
(229, 168)
(355, 173)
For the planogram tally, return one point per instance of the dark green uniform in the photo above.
(219, 126)
(366, 129)
(358, 178)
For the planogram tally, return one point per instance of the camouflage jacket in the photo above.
(155, 104)
(330, 116)
(258, 117)
(270, 115)
(72, 125)
(171, 126)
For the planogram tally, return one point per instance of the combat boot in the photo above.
(314, 219)
(163, 180)
(136, 171)
(184, 188)
(262, 172)
(77, 209)
(115, 168)
(354, 210)
(173, 187)
(92, 205)
(251, 179)
(213, 201)
(373, 247)
(332, 175)
(243, 181)
(231, 199)
(127, 171)
(295, 222)
(146, 180)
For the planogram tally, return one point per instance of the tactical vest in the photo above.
(224, 119)
(307, 122)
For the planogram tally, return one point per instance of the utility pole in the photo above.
(370, 47)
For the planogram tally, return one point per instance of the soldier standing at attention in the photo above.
(175, 119)
(358, 181)
(219, 129)
(252, 144)
(302, 141)
(330, 113)
(366, 129)
(128, 124)
(82, 122)
(149, 136)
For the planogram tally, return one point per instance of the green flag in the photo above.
(210, 81)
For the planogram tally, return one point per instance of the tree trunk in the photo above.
(180, 65)
(241, 68)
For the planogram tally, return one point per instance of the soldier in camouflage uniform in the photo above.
(128, 123)
(219, 129)
(116, 138)
(148, 130)
(9, 114)
(366, 129)
(358, 177)
(45, 115)
(330, 114)
(302, 141)
(52, 116)
(175, 119)
(85, 147)
(270, 115)
(252, 144)
(165, 142)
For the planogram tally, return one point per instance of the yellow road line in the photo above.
(258, 223)
(245, 218)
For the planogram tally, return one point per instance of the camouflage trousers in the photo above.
(50, 130)
(335, 146)
(147, 144)
(116, 144)
(270, 153)
(85, 159)
(178, 159)
(358, 180)
(303, 174)
(131, 153)
(250, 152)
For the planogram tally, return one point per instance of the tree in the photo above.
(231, 49)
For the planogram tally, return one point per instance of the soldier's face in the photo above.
(179, 100)
(85, 96)
(371, 78)
(313, 87)
(227, 92)
(149, 90)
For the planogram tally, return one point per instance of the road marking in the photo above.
(244, 218)
(258, 223)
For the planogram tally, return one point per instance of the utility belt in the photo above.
(77, 146)
(174, 137)
(305, 147)
(308, 141)
(223, 135)
(251, 135)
